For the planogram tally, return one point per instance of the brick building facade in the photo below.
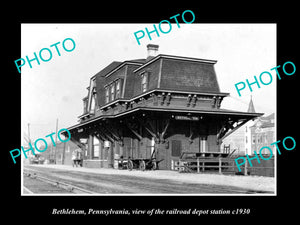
(262, 134)
(164, 104)
(253, 135)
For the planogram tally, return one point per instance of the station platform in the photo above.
(257, 183)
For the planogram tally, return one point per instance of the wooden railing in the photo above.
(216, 164)
(203, 164)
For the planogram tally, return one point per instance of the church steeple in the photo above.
(251, 106)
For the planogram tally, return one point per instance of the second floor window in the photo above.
(112, 92)
(144, 82)
(85, 105)
(118, 88)
(106, 95)
(253, 139)
(93, 103)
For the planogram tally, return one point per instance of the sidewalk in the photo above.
(257, 183)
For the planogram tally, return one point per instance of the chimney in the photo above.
(152, 51)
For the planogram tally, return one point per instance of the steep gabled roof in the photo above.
(270, 117)
(265, 122)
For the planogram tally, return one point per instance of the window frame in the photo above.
(112, 91)
(144, 83)
(85, 105)
(118, 89)
(107, 94)
(254, 139)
(96, 144)
(94, 104)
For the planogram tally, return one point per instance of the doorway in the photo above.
(163, 155)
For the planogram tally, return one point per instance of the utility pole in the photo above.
(51, 152)
(63, 154)
(28, 124)
(29, 140)
(55, 142)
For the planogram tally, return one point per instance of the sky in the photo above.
(55, 89)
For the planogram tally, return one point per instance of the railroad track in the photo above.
(110, 184)
(63, 185)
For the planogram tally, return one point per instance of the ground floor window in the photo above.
(96, 147)
(203, 144)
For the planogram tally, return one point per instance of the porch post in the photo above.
(90, 147)
(111, 155)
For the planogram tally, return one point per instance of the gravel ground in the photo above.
(257, 183)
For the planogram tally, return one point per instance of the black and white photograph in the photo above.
(151, 114)
(162, 117)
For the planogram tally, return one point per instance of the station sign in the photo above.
(194, 118)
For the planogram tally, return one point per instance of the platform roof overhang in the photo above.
(232, 120)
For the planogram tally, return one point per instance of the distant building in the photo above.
(59, 154)
(262, 134)
(247, 130)
(235, 141)
(253, 135)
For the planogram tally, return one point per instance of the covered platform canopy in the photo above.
(108, 127)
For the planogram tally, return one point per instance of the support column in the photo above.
(90, 147)
(111, 155)
(101, 153)
(63, 154)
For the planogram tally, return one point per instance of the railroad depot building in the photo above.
(164, 104)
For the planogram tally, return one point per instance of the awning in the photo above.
(231, 120)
